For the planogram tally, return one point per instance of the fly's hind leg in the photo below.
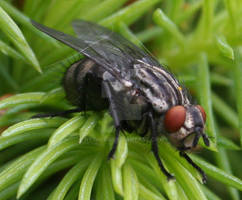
(114, 113)
(57, 114)
(145, 127)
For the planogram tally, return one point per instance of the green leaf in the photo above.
(169, 186)
(216, 78)
(127, 33)
(227, 143)
(121, 152)
(149, 34)
(106, 129)
(232, 11)
(104, 188)
(207, 19)
(65, 129)
(209, 194)
(204, 89)
(225, 111)
(131, 184)
(190, 11)
(224, 164)
(15, 139)
(43, 161)
(65, 162)
(69, 179)
(61, 164)
(164, 22)
(103, 9)
(50, 197)
(117, 178)
(73, 193)
(24, 98)
(144, 172)
(9, 192)
(9, 51)
(87, 127)
(8, 78)
(32, 124)
(15, 35)
(183, 174)
(24, 20)
(54, 95)
(62, 13)
(225, 49)
(189, 184)
(181, 193)
(14, 172)
(218, 174)
(175, 154)
(238, 88)
(129, 14)
(174, 9)
(146, 194)
(89, 177)
(54, 73)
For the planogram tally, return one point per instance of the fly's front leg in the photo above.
(114, 113)
(189, 160)
(154, 147)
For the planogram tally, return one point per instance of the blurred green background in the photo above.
(66, 158)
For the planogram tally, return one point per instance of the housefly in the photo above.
(140, 94)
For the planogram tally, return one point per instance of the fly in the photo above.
(139, 93)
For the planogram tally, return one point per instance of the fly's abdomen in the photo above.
(83, 86)
(69, 83)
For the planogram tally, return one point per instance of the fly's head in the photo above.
(185, 124)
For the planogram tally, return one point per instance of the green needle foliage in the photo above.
(66, 158)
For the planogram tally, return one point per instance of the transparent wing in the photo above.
(110, 50)
(78, 44)
(113, 47)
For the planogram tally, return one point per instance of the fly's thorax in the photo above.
(116, 85)
(129, 102)
(159, 87)
(184, 125)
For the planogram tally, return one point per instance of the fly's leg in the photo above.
(195, 141)
(57, 114)
(154, 147)
(82, 89)
(115, 144)
(189, 160)
(114, 113)
(145, 132)
(146, 126)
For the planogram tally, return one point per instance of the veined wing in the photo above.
(113, 47)
(108, 49)
(78, 44)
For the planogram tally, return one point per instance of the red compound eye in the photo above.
(175, 118)
(202, 111)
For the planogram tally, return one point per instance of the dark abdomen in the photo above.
(83, 87)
